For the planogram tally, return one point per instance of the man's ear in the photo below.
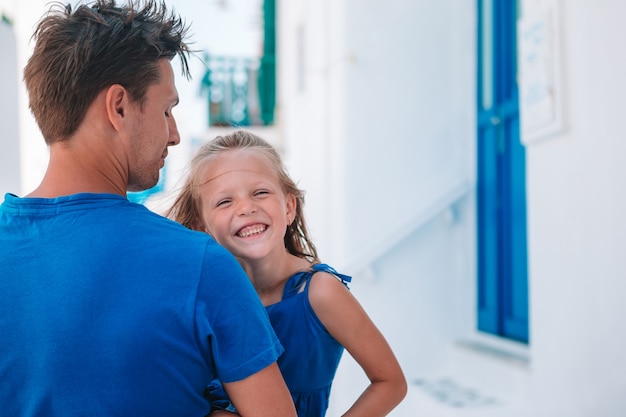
(117, 103)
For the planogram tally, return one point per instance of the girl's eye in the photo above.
(261, 192)
(222, 203)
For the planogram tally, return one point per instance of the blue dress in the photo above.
(311, 354)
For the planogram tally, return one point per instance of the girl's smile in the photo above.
(251, 231)
(243, 204)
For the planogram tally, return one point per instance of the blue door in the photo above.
(501, 177)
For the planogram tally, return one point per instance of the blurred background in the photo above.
(462, 160)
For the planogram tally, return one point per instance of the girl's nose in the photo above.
(246, 207)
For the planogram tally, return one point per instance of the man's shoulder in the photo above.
(142, 223)
(167, 227)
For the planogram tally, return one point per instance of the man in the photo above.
(105, 307)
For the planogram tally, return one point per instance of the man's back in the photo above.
(109, 309)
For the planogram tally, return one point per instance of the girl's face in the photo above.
(243, 204)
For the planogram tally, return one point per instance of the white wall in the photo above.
(310, 65)
(368, 108)
(33, 151)
(408, 124)
(378, 110)
(377, 105)
(576, 223)
(9, 140)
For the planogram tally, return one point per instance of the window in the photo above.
(242, 90)
(501, 177)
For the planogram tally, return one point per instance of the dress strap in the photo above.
(345, 279)
(297, 281)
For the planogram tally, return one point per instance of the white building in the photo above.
(377, 116)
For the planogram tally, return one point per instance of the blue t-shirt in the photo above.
(108, 309)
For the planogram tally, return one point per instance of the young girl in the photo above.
(239, 192)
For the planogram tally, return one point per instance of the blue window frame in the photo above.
(501, 177)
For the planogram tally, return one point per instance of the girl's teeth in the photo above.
(251, 230)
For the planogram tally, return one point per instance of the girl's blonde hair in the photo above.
(186, 208)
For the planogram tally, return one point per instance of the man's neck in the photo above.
(71, 172)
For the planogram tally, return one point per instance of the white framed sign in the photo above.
(540, 80)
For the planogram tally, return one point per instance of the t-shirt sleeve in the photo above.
(232, 323)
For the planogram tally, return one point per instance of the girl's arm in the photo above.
(350, 325)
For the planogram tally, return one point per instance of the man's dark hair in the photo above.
(80, 52)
